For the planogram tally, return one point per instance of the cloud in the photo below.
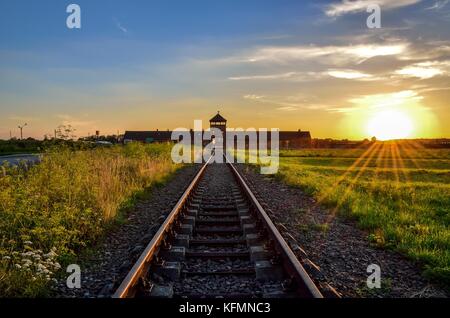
(286, 103)
(289, 76)
(438, 5)
(287, 108)
(253, 97)
(425, 70)
(309, 76)
(263, 77)
(75, 122)
(120, 26)
(347, 6)
(349, 74)
(357, 53)
(377, 101)
(23, 118)
(388, 100)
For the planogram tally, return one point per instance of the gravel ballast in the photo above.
(336, 245)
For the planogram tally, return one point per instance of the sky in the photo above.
(147, 65)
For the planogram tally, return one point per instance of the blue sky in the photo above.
(162, 64)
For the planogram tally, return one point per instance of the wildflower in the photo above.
(6, 258)
(18, 266)
(28, 243)
(51, 254)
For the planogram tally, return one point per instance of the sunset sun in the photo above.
(388, 125)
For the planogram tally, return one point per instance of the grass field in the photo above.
(399, 192)
(49, 213)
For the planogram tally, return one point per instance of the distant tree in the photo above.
(374, 139)
(65, 132)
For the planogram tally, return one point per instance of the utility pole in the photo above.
(10, 135)
(21, 130)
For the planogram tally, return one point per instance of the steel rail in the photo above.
(141, 267)
(306, 287)
(291, 263)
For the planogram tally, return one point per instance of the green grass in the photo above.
(60, 207)
(399, 193)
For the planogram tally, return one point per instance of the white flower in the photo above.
(6, 258)
(41, 267)
(28, 243)
(18, 266)
(51, 254)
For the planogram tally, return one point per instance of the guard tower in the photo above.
(219, 122)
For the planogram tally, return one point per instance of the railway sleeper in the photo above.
(169, 270)
(218, 214)
(210, 231)
(249, 229)
(215, 255)
(182, 240)
(217, 242)
(173, 254)
(215, 208)
(189, 220)
(236, 271)
(192, 212)
(267, 272)
(259, 253)
(155, 291)
(218, 221)
(253, 239)
(186, 229)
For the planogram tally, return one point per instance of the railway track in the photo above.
(217, 242)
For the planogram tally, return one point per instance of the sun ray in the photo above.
(418, 146)
(394, 162)
(380, 161)
(346, 173)
(401, 163)
(407, 148)
(352, 182)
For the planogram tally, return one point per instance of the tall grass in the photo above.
(65, 203)
(401, 198)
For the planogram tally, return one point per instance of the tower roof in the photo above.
(218, 118)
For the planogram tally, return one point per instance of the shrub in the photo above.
(66, 203)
